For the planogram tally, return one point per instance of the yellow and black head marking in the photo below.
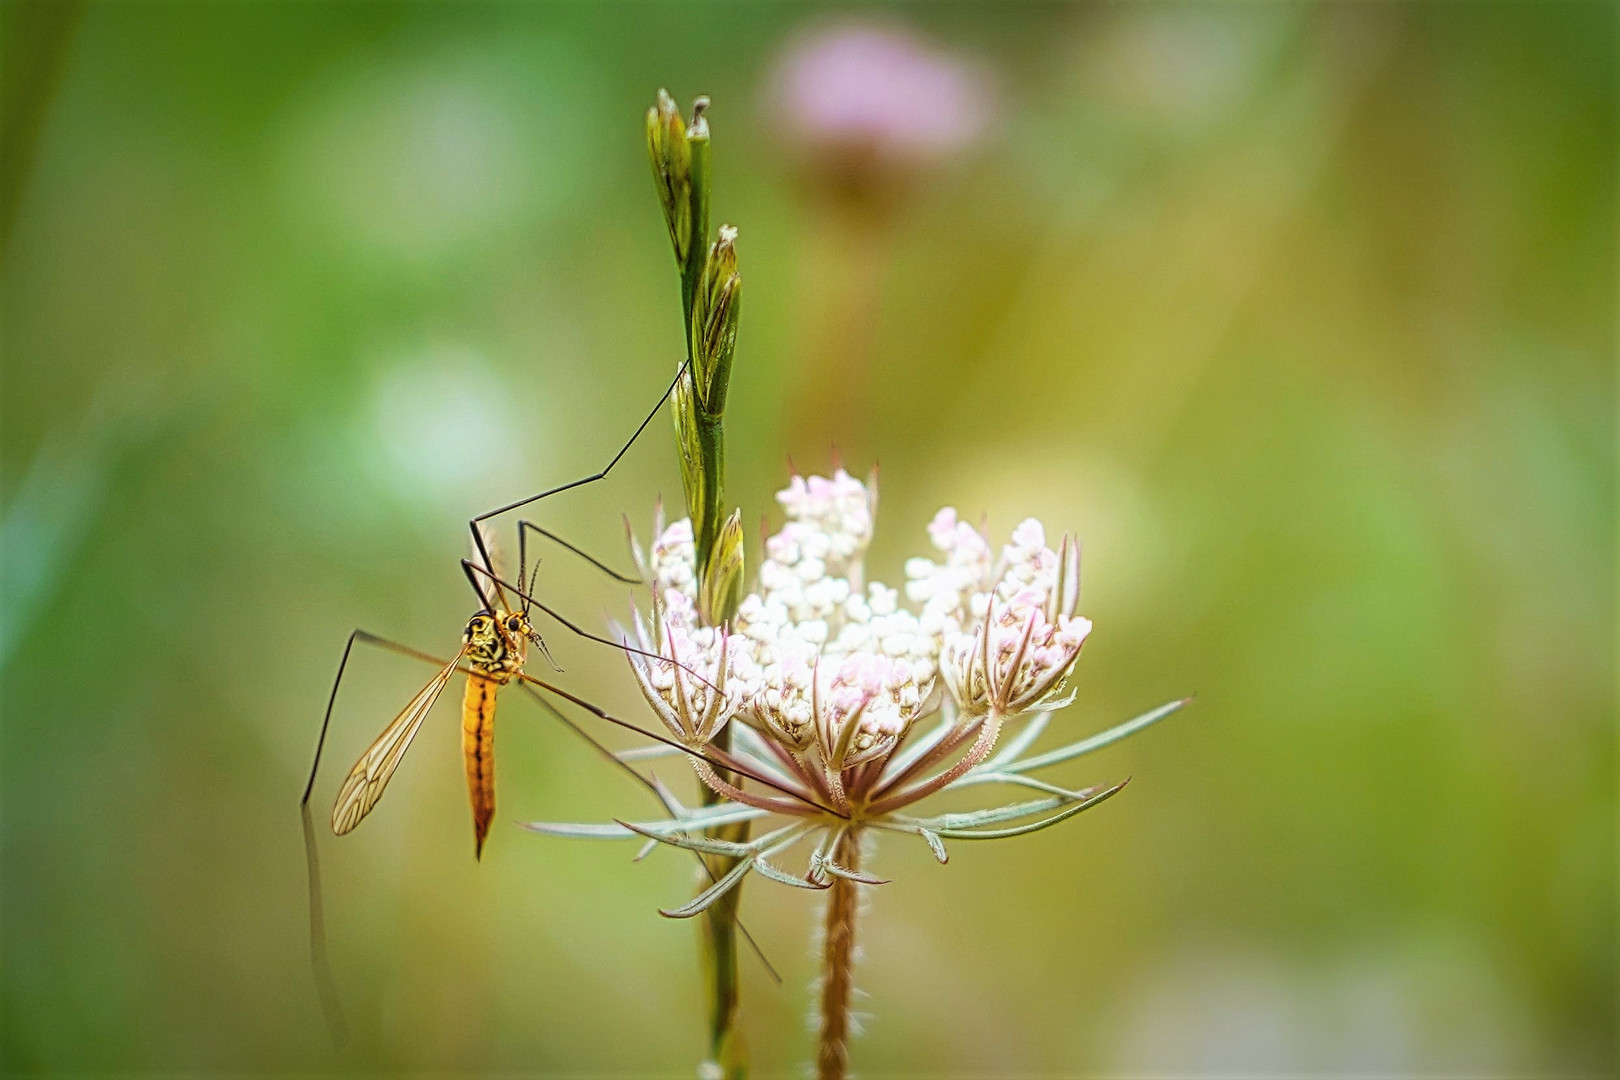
(498, 645)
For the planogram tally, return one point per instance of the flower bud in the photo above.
(722, 580)
(671, 156)
(714, 322)
(691, 254)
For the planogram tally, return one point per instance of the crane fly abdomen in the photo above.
(478, 752)
(496, 649)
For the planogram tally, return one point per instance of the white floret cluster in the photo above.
(696, 694)
(673, 564)
(812, 652)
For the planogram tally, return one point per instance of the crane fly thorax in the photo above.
(495, 647)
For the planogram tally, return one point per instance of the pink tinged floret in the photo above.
(1029, 534)
(1073, 630)
(1024, 600)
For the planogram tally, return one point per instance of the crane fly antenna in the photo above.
(478, 540)
(563, 718)
(533, 578)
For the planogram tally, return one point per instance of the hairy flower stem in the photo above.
(838, 963)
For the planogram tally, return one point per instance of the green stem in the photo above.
(728, 1055)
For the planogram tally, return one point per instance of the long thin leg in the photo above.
(471, 571)
(730, 763)
(326, 721)
(325, 985)
(594, 710)
(563, 719)
(525, 526)
(478, 539)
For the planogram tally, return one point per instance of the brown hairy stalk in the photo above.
(838, 962)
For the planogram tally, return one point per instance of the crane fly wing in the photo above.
(365, 782)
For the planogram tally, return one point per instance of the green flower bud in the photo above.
(671, 156)
(714, 322)
(697, 245)
(722, 587)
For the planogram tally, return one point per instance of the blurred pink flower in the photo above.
(879, 91)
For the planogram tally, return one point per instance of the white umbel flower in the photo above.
(836, 673)
(827, 680)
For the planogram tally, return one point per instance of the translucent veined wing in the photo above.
(365, 782)
(492, 569)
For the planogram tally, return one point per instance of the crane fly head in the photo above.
(498, 643)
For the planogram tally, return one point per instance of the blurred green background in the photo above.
(1302, 316)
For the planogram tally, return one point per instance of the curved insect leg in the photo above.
(477, 536)
(563, 719)
(370, 639)
(472, 571)
(325, 984)
(800, 802)
(525, 527)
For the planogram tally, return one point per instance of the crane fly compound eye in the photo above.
(515, 624)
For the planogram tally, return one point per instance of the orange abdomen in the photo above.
(478, 752)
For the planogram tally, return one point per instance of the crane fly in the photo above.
(494, 647)
(494, 650)
(493, 653)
